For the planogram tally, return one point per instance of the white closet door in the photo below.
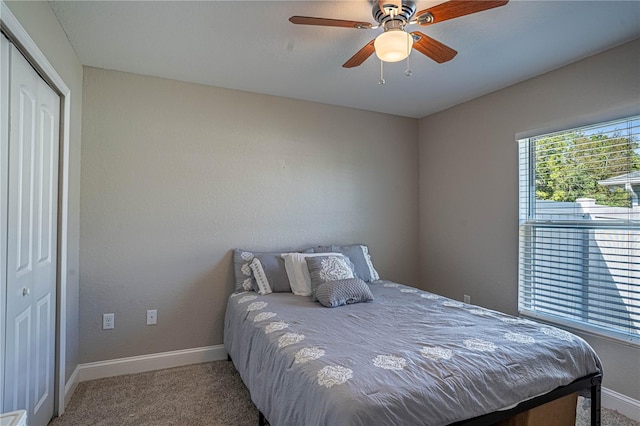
(31, 242)
(4, 175)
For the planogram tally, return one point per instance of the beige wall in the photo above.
(469, 184)
(38, 20)
(175, 175)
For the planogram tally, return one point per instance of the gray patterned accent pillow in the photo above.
(241, 269)
(343, 292)
(359, 255)
(272, 264)
(327, 268)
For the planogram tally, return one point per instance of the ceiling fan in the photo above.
(395, 43)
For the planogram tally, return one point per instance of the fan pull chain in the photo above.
(381, 81)
(408, 71)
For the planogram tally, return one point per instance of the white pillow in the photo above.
(298, 272)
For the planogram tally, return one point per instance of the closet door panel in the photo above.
(22, 150)
(32, 193)
(42, 379)
(20, 279)
(4, 176)
(45, 249)
(19, 373)
(46, 182)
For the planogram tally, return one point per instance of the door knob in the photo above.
(26, 291)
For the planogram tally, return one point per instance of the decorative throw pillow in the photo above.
(272, 265)
(359, 256)
(242, 269)
(330, 267)
(261, 278)
(298, 272)
(343, 292)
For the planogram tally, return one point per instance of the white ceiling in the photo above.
(251, 46)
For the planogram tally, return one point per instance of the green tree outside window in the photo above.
(569, 166)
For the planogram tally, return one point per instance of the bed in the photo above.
(408, 357)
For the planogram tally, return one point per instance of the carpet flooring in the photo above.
(210, 394)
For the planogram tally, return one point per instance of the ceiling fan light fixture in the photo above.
(393, 45)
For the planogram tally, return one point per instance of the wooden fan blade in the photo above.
(361, 56)
(307, 20)
(455, 9)
(432, 48)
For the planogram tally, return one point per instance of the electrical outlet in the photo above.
(467, 298)
(152, 316)
(108, 321)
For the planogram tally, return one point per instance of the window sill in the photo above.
(612, 336)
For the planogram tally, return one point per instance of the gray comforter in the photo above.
(407, 358)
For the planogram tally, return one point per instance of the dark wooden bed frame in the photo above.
(592, 382)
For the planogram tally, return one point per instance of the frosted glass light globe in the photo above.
(393, 45)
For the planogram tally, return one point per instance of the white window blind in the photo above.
(579, 251)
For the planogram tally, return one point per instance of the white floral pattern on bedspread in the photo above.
(247, 298)
(276, 326)
(390, 362)
(435, 353)
(289, 339)
(256, 306)
(520, 338)
(480, 345)
(560, 334)
(332, 375)
(264, 316)
(308, 354)
(342, 366)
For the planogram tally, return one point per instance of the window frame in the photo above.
(528, 223)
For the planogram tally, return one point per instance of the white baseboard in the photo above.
(137, 364)
(70, 386)
(142, 363)
(621, 403)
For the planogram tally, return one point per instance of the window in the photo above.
(579, 251)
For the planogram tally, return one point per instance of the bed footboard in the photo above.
(592, 382)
